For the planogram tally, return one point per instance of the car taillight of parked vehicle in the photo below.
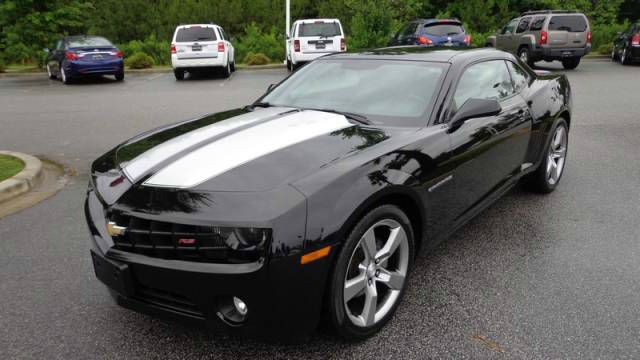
(173, 49)
(296, 45)
(589, 38)
(467, 39)
(544, 37)
(343, 44)
(71, 55)
(220, 47)
(635, 40)
(424, 40)
(118, 53)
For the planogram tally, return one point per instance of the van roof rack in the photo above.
(538, 12)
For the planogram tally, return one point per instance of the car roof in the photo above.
(192, 25)
(73, 37)
(435, 21)
(426, 54)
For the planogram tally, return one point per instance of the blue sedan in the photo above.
(78, 56)
(432, 32)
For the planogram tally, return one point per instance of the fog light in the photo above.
(241, 307)
(232, 310)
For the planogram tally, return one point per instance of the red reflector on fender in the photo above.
(315, 255)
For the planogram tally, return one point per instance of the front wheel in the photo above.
(570, 63)
(371, 273)
(547, 176)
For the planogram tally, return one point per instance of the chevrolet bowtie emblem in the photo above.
(114, 230)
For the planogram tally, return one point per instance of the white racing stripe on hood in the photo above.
(146, 161)
(241, 147)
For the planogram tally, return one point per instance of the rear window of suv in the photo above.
(443, 29)
(319, 29)
(570, 23)
(196, 33)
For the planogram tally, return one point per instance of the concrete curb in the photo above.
(25, 180)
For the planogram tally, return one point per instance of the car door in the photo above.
(488, 151)
(504, 41)
(521, 30)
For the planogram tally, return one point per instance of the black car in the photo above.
(432, 32)
(318, 196)
(83, 55)
(626, 46)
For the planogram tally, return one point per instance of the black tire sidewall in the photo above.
(538, 180)
(337, 314)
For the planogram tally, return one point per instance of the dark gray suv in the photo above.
(546, 35)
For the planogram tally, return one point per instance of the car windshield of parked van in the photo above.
(385, 92)
(196, 33)
(443, 29)
(88, 41)
(325, 29)
(570, 23)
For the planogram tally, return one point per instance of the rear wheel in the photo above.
(289, 65)
(179, 74)
(547, 176)
(66, 79)
(52, 76)
(233, 66)
(570, 63)
(226, 72)
(624, 58)
(119, 76)
(371, 273)
(525, 55)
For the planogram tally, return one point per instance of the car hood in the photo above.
(236, 151)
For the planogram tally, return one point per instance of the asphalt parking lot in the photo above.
(534, 276)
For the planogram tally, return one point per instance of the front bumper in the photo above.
(79, 68)
(283, 297)
(548, 53)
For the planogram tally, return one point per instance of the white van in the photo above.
(201, 46)
(311, 38)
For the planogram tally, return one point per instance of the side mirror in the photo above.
(46, 50)
(474, 108)
(271, 87)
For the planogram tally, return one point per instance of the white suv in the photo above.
(309, 39)
(201, 46)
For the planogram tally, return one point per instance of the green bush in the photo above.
(139, 60)
(255, 41)
(603, 34)
(159, 51)
(3, 67)
(605, 49)
(256, 59)
(480, 39)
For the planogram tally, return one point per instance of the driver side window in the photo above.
(510, 27)
(485, 80)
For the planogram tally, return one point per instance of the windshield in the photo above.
(443, 29)
(88, 42)
(386, 92)
(320, 29)
(196, 33)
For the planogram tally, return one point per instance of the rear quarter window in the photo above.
(570, 23)
(196, 33)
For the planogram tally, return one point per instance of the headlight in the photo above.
(247, 238)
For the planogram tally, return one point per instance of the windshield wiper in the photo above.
(349, 115)
(262, 104)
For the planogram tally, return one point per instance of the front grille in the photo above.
(167, 299)
(174, 241)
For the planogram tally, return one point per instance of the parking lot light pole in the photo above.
(288, 25)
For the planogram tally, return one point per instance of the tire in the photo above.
(548, 175)
(226, 71)
(624, 58)
(63, 76)
(179, 74)
(525, 55)
(119, 76)
(346, 312)
(614, 58)
(289, 65)
(489, 45)
(52, 76)
(571, 63)
(233, 66)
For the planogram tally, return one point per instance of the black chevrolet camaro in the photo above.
(312, 203)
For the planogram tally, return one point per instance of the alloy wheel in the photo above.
(376, 273)
(49, 71)
(63, 75)
(623, 57)
(524, 56)
(557, 155)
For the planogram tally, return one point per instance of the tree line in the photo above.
(27, 26)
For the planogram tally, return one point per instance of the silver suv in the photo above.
(546, 35)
